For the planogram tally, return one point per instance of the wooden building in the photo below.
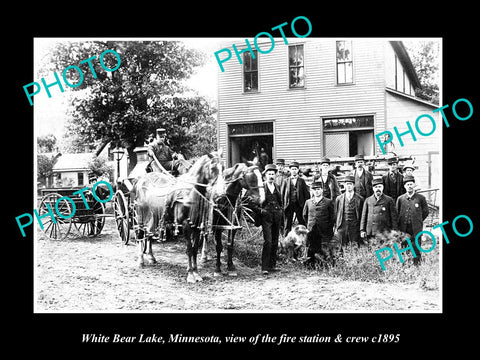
(323, 97)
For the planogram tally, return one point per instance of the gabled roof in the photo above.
(402, 54)
(73, 162)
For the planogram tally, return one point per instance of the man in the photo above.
(412, 211)
(379, 213)
(281, 174)
(363, 178)
(393, 180)
(295, 192)
(348, 210)
(163, 153)
(318, 212)
(271, 218)
(330, 184)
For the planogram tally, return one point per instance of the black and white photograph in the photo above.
(185, 175)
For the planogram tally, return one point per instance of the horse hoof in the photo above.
(217, 274)
(197, 277)
(190, 278)
(151, 259)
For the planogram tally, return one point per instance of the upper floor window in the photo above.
(250, 71)
(344, 62)
(296, 66)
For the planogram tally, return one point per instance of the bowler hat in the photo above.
(269, 167)
(294, 164)
(408, 165)
(408, 178)
(316, 185)
(161, 131)
(377, 181)
(359, 157)
(324, 160)
(349, 178)
(280, 162)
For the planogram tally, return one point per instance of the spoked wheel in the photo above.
(56, 228)
(92, 225)
(120, 206)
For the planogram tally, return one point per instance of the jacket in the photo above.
(332, 184)
(379, 216)
(320, 214)
(418, 208)
(367, 183)
(393, 189)
(339, 204)
(303, 192)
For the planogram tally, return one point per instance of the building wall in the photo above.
(297, 113)
(392, 65)
(70, 178)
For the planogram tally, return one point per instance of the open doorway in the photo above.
(249, 140)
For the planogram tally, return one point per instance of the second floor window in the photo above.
(250, 71)
(296, 66)
(344, 62)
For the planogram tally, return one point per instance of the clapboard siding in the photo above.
(297, 113)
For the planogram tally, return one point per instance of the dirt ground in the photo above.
(101, 275)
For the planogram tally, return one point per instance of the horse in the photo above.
(191, 206)
(241, 176)
(156, 195)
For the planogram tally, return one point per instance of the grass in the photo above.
(356, 264)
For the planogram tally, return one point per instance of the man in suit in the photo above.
(330, 185)
(379, 213)
(272, 215)
(295, 192)
(281, 174)
(363, 178)
(393, 180)
(412, 211)
(348, 210)
(318, 212)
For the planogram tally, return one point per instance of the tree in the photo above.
(144, 93)
(425, 59)
(46, 143)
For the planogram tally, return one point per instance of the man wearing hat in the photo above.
(271, 219)
(412, 211)
(295, 192)
(318, 212)
(163, 153)
(329, 182)
(281, 174)
(379, 213)
(393, 180)
(363, 178)
(348, 210)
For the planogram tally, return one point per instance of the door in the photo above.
(336, 144)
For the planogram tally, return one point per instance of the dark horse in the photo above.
(160, 197)
(227, 213)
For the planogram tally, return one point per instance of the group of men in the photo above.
(369, 205)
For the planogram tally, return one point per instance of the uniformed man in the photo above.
(412, 211)
(348, 210)
(393, 180)
(363, 178)
(318, 213)
(379, 213)
(164, 154)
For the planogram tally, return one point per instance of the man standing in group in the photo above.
(393, 180)
(318, 212)
(281, 175)
(412, 211)
(272, 215)
(348, 210)
(379, 213)
(295, 192)
(330, 185)
(363, 178)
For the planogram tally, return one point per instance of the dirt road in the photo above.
(101, 274)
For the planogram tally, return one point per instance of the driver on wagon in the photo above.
(164, 154)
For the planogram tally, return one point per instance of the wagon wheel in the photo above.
(120, 206)
(95, 222)
(59, 228)
(134, 223)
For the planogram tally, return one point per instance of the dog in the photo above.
(294, 244)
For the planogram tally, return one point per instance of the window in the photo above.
(296, 66)
(348, 136)
(344, 62)
(80, 179)
(250, 72)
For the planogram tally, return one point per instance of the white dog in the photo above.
(294, 244)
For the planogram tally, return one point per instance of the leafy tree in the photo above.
(144, 93)
(425, 59)
(44, 166)
(100, 167)
(46, 143)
